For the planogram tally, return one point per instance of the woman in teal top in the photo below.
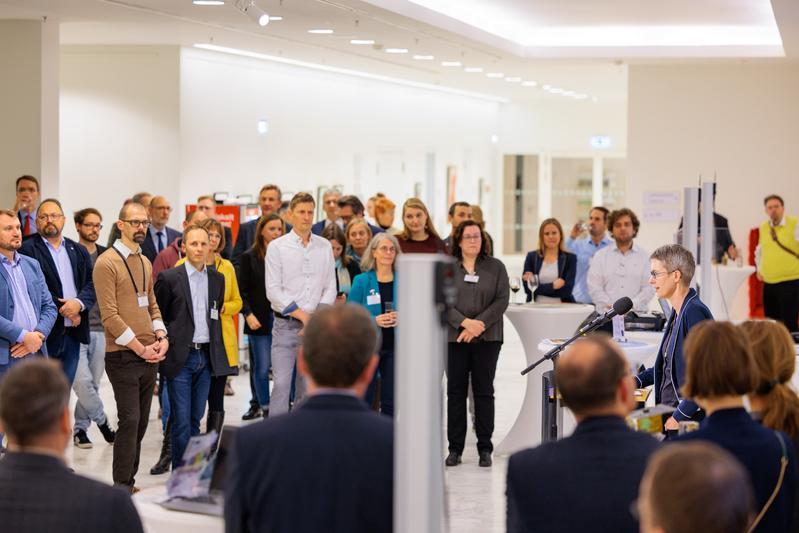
(375, 289)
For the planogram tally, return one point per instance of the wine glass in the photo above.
(532, 284)
(515, 285)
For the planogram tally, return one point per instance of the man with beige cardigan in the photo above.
(136, 339)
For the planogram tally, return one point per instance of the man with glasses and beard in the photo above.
(136, 338)
(91, 366)
(67, 271)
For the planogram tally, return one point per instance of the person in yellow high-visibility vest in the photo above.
(777, 258)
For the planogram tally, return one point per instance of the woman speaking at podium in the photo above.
(673, 269)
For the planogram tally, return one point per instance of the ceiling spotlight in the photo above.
(495, 75)
(529, 83)
(249, 8)
(450, 63)
(473, 69)
(321, 31)
(594, 99)
(362, 41)
(424, 57)
(396, 50)
(208, 2)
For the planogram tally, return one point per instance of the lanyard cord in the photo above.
(143, 276)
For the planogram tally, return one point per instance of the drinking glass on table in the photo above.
(515, 286)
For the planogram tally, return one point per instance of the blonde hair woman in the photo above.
(418, 235)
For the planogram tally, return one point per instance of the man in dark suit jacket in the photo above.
(159, 235)
(190, 297)
(327, 466)
(269, 201)
(330, 206)
(37, 490)
(603, 458)
(350, 207)
(67, 269)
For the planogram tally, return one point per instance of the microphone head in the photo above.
(622, 305)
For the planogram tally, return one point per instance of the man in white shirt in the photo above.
(622, 268)
(300, 276)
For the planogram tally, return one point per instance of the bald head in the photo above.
(159, 211)
(594, 378)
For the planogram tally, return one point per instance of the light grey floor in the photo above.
(476, 496)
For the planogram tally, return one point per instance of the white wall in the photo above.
(740, 120)
(120, 127)
(324, 128)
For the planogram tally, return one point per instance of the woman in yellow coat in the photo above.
(231, 307)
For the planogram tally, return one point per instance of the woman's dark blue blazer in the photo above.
(567, 270)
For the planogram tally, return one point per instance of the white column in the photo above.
(418, 434)
(690, 222)
(29, 63)
(708, 244)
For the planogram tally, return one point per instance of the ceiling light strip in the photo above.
(348, 72)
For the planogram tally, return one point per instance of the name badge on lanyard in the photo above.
(214, 312)
(143, 300)
(471, 278)
(373, 299)
(141, 295)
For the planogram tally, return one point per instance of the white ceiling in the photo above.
(447, 34)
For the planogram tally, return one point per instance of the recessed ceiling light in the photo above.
(473, 69)
(208, 2)
(362, 41)
(513, 79)
(275, 18)
(321, 31)
(396, 50)
(569, 93)
(495, 75)
(530, 83)
(546, 87)
(424, 57)
(556, 90)
(450, 63)
(594, 99)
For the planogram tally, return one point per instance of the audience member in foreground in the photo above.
(585, 482)
(475, 337)
(694, 487)
(672, 270)
(328, 465)
(720, 369)
(37, 491)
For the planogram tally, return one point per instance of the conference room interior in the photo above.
(530, 110)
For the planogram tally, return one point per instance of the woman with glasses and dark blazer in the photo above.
(475, 337)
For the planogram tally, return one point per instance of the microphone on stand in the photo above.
(620, 307)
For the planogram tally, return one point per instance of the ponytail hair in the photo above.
(775, 358)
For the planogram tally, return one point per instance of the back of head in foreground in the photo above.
(37, 491)
(694, 487)
(327, 465)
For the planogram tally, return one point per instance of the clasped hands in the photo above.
(471, 329)
(155, 352)
(71, 310)
(31, 343)
(387, 320)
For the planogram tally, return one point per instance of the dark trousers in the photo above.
(133, 381)
(781, 302)
(385, 371)
(188, 392)
(68, 356)
(216, 394)
(478, 361)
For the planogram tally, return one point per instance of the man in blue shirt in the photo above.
(586, 247)
(67, 270)
(27, 312)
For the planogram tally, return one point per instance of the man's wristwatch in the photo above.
(162, 337)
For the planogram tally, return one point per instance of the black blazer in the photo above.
(173, 293)
(252, 286)
(585, 482)
(759, 450)
(327, 466)
(148, 247)
(82, 275)
(567, 270)
(39, 493)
